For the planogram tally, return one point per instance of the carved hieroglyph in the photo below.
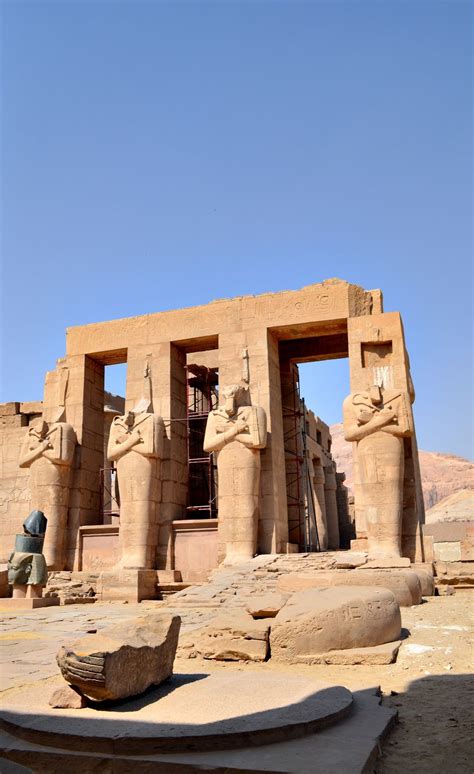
(377, 420)
(136, 443)
(48, 451)
(237, 432)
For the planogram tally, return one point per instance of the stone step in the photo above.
(167, 589)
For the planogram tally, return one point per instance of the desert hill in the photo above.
(441, 474)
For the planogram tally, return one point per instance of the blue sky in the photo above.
(158, 155)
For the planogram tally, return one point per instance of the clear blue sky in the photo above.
(158, 155)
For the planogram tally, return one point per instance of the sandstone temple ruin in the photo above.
(216, 456)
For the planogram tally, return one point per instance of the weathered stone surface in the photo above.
(123, 660)
(317, 621)
(67, 697)
(404, 584)
(229, 637)
(265, 605)
(370, 656)
(426, 578)
(455, 573)
(350, 560)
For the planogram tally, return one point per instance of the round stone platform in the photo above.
(190, 712)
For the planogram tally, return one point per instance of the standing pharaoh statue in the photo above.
(378, 420)
(237, 432)
(48, 451)
(136, 444)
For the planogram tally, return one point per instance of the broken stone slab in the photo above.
(404, 584)
(67, 697)
(318, 621)
(349, 560)
(122, 660)
(265, 605)
(239, 649)
(384, 564)
(236, 637)
(375, 655)
(455, 573)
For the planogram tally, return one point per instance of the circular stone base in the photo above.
(189, 712)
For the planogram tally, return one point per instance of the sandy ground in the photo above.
(430, 685)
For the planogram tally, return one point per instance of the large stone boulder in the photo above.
(404, 584)
(320, 621)
(122, 660)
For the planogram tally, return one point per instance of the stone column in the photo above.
(332, 518)
(320, 504)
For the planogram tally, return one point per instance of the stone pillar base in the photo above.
(127, 585)
(27, 603)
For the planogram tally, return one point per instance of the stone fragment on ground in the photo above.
(265, 605)
(454, 573)
(67, 697)
(316, 622)
(404, 584)
(123, 660)
(229, 637)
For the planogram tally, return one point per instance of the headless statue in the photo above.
(48, 451)
(136, 444)
(237, 432)
(27, 570)
(378, 420)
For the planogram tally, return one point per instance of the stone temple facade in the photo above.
(214, 457)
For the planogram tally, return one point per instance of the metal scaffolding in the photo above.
(201, 398)
(302, 527)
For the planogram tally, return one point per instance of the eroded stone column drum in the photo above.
(238, 470)
(380, 467)
(139, 494)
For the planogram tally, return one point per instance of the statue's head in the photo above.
(231, 397)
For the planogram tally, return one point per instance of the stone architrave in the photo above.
(136, 444)
(378, 420)
(237, 431)
(48, 451)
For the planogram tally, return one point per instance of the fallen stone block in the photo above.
(455, 574)
(404, 584)
(316, 622)
(122, 660)
(67, 697)
(228, 637)
(426, 578)
(265, 605)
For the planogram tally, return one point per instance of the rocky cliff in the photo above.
(442, 474)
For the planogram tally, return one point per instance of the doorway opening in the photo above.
(319, 513)
(115, 377)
